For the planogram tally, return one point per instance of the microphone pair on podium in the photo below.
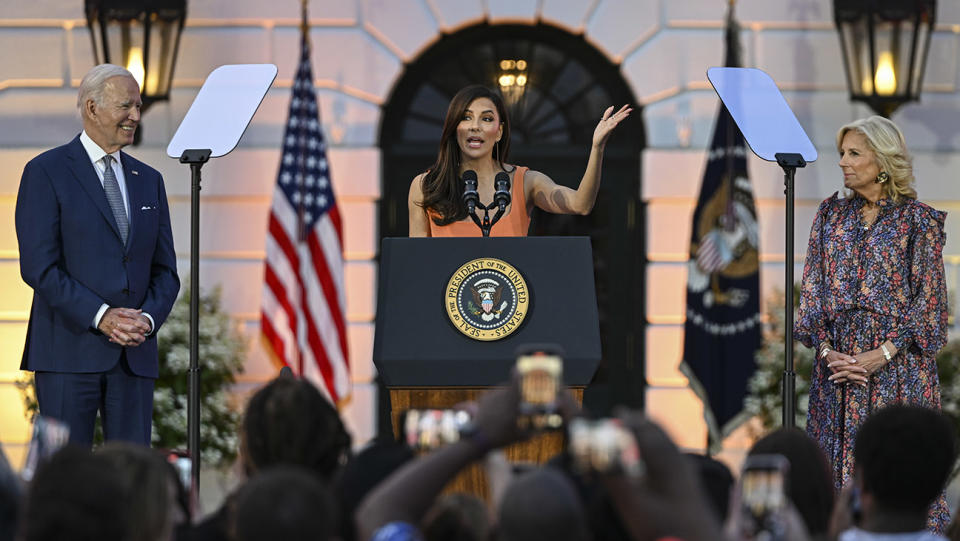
(501, 195)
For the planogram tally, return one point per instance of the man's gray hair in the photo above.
(91, 87)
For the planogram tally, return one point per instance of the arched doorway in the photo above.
(568, 85)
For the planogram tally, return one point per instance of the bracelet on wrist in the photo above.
(886, 352)
(824, 351)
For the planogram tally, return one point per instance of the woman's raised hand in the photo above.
(607, 123)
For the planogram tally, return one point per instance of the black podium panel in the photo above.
(416, 344)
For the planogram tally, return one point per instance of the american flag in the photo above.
(302, 313)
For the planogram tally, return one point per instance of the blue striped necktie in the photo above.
(115, 197)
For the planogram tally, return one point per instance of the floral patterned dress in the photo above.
(862, 286)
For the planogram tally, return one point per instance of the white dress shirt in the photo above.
(96, 155)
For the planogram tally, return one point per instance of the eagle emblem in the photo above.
(486, 296)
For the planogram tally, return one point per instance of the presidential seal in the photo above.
(487, 299)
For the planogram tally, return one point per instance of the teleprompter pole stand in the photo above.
(196, 158)
(789, 162)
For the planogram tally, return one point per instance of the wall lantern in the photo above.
(140, 35)
(884, 44)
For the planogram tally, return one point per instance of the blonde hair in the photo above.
(886, 142)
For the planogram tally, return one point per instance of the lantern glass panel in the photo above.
(923, 43)
(125, 46)
(162, 47)
(857, 52)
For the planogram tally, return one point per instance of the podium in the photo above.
(451, 313)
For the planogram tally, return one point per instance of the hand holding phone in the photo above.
(540, 369)
(49, 435)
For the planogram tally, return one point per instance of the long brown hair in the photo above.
(442, 187)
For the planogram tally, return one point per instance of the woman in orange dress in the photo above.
(476, 136)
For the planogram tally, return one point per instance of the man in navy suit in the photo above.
(96, 246)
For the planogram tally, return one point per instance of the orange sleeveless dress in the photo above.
(514, 223)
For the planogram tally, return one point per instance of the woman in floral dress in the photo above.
(873, 298)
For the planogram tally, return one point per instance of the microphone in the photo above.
(470, 196)
(501, 194)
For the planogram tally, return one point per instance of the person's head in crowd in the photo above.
(903, 455)
(810, 482)
(288, 421)
(284, 502)
(716, 480)
(156, 500)
(457, 517)
(542, 505)
(366, 470)
(75, 495)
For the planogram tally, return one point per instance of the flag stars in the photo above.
(296, 197)
(288, 159)
(311, 162)
(322, 200)
(286, 177)
(324, 183)
(311, 181)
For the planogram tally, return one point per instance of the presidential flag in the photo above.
(722, 330)
(303, 308)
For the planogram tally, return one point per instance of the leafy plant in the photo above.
(765, 397)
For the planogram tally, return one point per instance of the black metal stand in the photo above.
(789, 163)
(196, 158)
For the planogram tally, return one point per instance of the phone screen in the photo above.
(428, 429)
(604, 446)
(49, 435)
(541, 378)
(763, 493)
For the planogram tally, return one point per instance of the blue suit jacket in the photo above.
(72, 256)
